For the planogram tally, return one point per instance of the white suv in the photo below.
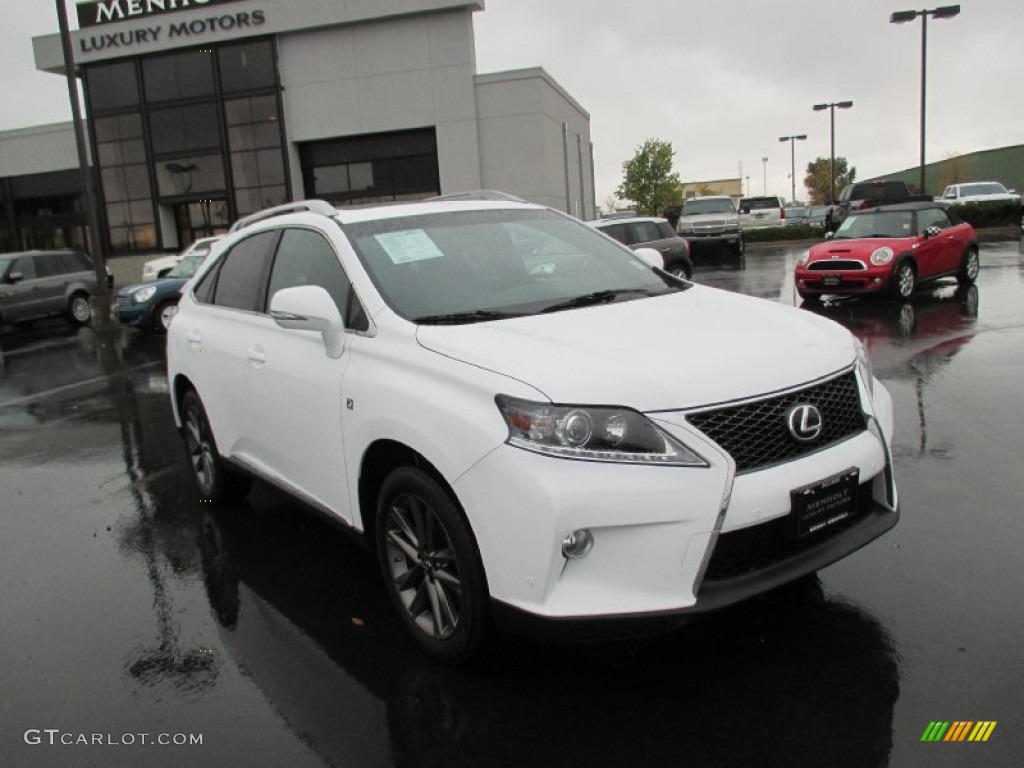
(497, 399)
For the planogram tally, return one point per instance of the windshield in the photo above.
(982, 189)
(796, 213)
(4, 263)
(471, 266)
(699, 207)
(188, 266)
(877, 224)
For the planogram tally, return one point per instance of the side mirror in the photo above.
(15, 277)
(310, 308)
(932, 231)
(745, 209)
(1011, 191)
(651, 256)
(829, 235)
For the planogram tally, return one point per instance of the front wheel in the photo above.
(904, 280)
(970, 267)
(431, 568)
(680, 270)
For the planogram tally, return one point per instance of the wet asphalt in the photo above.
(133, 613)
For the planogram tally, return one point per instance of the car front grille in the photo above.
(759, 546)
(122, 302)
(756, 434)
(835, 264)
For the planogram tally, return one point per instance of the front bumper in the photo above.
(662, 535)
(134, 315)
(859, 281)
(717, 238)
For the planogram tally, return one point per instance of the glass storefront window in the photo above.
(112, 86)
(190, 175)
(118, 128)
(257, 198)
(185, 75)
(184, 129)
(247, 67)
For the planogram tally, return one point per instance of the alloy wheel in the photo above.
(200, 449)
(80, 309)
(424, 567)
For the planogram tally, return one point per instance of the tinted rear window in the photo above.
(760, 203)
(240, 280)
(879, 190)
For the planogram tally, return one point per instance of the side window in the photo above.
(305, 257)
(618, 231)
(665, 230)
(644, 232)
(932, 217)
(241, 275)
(26, 265)
(49, 265)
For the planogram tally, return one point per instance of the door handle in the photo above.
(256, 354)
(193, 337)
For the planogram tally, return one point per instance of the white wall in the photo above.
(39, 149)
(409, 72)
(521, 114)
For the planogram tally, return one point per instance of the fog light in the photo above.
(578, 543)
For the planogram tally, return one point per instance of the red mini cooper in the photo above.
(890, 250)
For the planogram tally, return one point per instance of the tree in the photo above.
(817, 181)
(648, 179)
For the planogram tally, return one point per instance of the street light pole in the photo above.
(93, 230)
(832, 155)
(792, 161)
(764, 183)
(901, 17)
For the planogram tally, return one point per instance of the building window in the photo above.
(186, 176)
(112, 86)
(257, 162)
(125, 177)
(179, 76)
(247, 67)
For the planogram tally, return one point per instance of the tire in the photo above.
(970, 267)
(809, 298)
(217, 483)
(740, 248)
(430, 565)
(904, 280)
(79, 310)
(163, 315)
(680, 269)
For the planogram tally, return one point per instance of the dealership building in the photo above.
(202, 111)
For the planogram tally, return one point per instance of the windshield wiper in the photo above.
(597, 297)
(469, 316)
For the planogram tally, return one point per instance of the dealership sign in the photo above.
(94, 12)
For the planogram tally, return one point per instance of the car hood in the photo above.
(164, 285)
(861, 248)
(682, 350)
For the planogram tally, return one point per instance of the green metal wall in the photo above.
(1005, 165)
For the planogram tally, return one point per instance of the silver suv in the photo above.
(712, 220)
(37, 284)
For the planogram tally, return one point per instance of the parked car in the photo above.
(38, 284)
(796, 215)
(865, 194)
(711, 220)
(979, 192)
(157, 268)
(645, 232)
(891, 249)
(760, 212)
(152, 305)
(496, 398)
(816, 215)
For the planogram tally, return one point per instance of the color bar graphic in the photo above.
(958, 730)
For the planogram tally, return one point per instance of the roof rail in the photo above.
(479, 194)
(299, 206)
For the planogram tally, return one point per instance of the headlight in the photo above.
(881, 256)
(685, 229)
(803, 258)
(733, 226)
(144, 294)
(592, 433)
(867, 371)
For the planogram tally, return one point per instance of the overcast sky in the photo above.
(722, 81)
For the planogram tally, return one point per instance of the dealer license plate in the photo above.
(822, 505)
(832, 281)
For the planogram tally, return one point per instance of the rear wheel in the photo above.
(79, 309)
(216, 482)
(431, 568)
(809, 298)
(970, 267)
(904, 280)
(680, 269)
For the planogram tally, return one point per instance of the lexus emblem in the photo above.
(804, 422)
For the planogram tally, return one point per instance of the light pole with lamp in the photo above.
(764, 182)
(901, 17)
(792, 160)
(832, 152)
